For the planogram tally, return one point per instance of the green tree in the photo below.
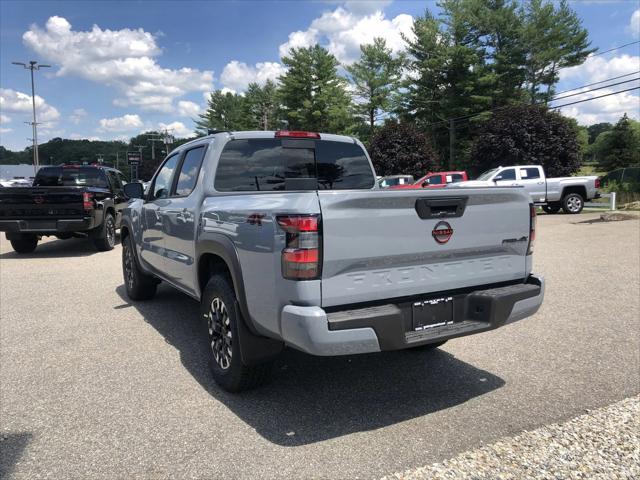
(375, 77)
(225, 111)
(620, 147)
(596, 129)
(312, 94)
(401, 148)
(261, 106)
(528, 135)
(554, 38)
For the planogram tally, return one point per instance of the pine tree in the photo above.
(312, 94)
(261, 106)
(225, 111)
(620, 147)
(375, 77)
(554, 38)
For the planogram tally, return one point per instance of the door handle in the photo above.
(540, 183)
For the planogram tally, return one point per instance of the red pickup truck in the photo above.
(435, 180)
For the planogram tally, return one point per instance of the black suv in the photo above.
(65, 201)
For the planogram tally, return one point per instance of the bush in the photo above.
(401, 148)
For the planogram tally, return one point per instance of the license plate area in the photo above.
(41, 225)
(432, 313)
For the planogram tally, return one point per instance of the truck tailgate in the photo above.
(40, 203)
(377, 246)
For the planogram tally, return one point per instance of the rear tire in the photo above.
(25, 244)
(219, 309)
(551, 209)
(572, 203)
(139, 285)
(106, 235)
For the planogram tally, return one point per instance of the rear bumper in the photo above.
(45, 227)
(383, 327)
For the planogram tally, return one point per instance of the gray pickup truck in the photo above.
(552, 194)
(284, 239)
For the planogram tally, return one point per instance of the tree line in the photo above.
(469, 91)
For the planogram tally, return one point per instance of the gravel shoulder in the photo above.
(602, 444)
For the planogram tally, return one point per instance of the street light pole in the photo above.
(33, 65)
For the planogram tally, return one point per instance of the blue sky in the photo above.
(119, 68)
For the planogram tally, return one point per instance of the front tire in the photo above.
(139, 285)
(106, 239)
(572, 203)
(219, 309)
(25, 244)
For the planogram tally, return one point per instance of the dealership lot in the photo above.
(95, 387)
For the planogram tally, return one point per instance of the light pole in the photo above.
(33, 65)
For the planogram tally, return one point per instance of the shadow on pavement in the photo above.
(11, 450)
(311, 399)
(72, 247)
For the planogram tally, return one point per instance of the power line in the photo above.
(471, 115)
(594, 89)
(595, 98)
(597, 83)
(614, 48)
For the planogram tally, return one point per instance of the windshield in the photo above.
(488, 174)
(70, 177)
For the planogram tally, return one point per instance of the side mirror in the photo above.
(424, 184)
(134, 190)
(497, 177)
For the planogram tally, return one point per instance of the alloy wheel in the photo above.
(220, 336)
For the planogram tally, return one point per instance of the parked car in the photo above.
(552, 194)
(284, 239)
(64, 201)
(394, 180)
(436, 180)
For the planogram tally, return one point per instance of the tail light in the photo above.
(598, 182)
(87, 201)
(301, 258)
(532, 228)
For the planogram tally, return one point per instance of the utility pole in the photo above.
(33, 65)
(136, 167)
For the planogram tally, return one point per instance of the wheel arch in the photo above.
(579, 189)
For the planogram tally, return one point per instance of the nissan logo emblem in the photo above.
(38, 200)
(442, 232)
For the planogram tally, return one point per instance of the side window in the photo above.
(456, 177)
(435, 180)
(343, 166)
(529, 173)
(189, 171)
(508, 174)
(116, 183)
(164, 178)
(122, 178)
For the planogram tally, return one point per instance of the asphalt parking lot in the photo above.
(95, 387)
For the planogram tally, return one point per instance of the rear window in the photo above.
(266, 164)
(70, 177)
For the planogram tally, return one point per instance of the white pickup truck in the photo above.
(552, 194)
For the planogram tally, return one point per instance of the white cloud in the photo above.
(237, 75)
(188, 109)
(12, 101)
(6, 130)
(634, 24)
(4, 118)
(343, 30)
(120, 58)
(597, 68)
(606, 109)
(125, 123)
(600, 69)
(177, 129)
(78, 115)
